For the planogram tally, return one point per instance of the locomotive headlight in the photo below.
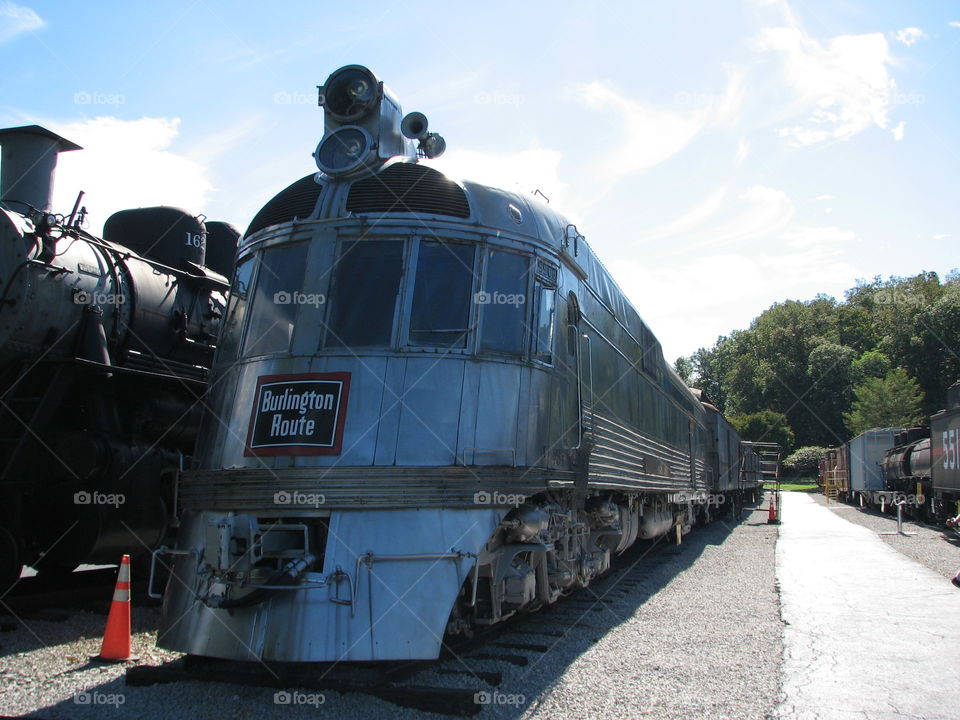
(351, 93)
(343, 150)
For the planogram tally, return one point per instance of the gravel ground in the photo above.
(931, 546)
(682, 632)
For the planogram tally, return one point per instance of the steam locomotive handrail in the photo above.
(131, 371)
(126, 254)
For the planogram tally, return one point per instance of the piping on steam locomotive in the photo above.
(432, 409)
(105, 347)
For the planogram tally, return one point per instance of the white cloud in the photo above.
(740, 253)
(908, 36)
(17, 19)
(126, 164)
(718, 292)
(717, 222)
(942, 236)
(765, 212)
(897, 131)
(954, 23)
(843, 83)
(650, 135)
(824, 197)
(743, 150)
(691, 220)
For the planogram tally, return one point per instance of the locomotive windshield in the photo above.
(503, 323)
(367, 297)
(366, 284)
(440, 316)
(274, 310)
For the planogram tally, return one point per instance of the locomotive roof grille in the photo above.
(406, 187)
(296, 201)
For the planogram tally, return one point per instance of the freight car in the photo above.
(432, 409)
(105, 347)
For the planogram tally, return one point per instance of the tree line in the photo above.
(819, 372)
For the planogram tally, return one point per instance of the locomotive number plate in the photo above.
(298, 414)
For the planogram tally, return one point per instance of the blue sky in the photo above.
(719, 156)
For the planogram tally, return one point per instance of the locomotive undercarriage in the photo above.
(345, 576)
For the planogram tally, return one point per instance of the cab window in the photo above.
(503, 303)
(273, 310)
(442, 295)
(364, 298)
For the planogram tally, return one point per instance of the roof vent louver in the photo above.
(408, 188)
(297, 201)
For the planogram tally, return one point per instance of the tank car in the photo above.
(105, 349)
(907, 469)
(432, 409)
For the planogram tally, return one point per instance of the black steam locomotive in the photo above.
(925, 463)
(105, 346)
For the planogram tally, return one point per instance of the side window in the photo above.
(544, 324)
(233, 327)
(274, 311)
(442, 295)
(503, 300)
(366, 282)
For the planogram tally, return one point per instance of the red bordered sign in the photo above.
(301, 414)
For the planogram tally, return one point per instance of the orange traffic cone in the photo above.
(772, 514)
(116, 638)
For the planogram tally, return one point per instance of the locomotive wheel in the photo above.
(11, 559)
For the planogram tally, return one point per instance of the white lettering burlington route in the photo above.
(285, 428)
(298, 414)
(296, 401)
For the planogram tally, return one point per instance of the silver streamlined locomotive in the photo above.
(432, 408)
(105, 347)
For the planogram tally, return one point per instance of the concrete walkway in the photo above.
(870, 634)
